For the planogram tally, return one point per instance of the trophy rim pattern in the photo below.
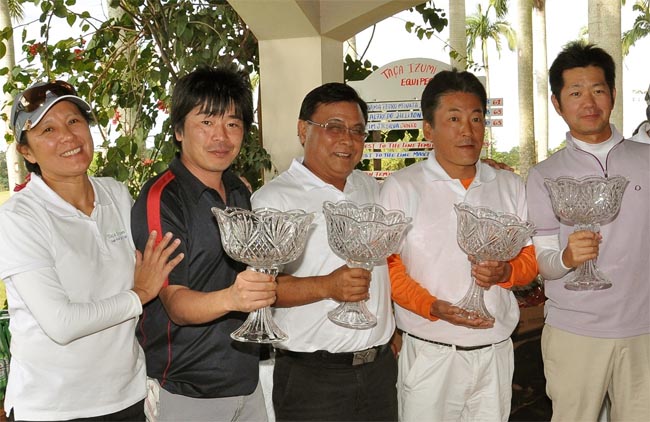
(334, 208)
(524, 230)
(299, 219)
(559, 188)
(368, 253)
(495, 216)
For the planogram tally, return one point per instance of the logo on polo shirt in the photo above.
(117, 236)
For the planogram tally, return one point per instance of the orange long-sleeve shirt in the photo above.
(411, 295)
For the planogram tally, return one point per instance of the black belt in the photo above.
(349, 359)
(461, 348)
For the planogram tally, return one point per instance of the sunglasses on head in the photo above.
(34, 97)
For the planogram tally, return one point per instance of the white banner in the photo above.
(396, 145)
(401, 125)
(402, 154)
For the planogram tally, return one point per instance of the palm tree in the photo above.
(605, 31)
(527, 157)
(481, 28)
(457, 37)
(9, 9)
(540, 70)
(641, 27)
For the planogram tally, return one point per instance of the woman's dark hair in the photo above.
(448, 81)
(215, 90)
(34, 167)
(332, 92)
(581, 54)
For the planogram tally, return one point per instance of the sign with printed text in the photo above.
(389, 154)
(394, 115)
(405, 125)
(393, 94)
(399, 81)
(494, 123)
(493, 112)
(397, 145)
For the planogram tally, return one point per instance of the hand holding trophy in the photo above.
(264, 239)
(586, 203)
(487, 235)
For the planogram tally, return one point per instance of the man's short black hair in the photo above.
(581, 54)
(449, 81)
(215, 90)
(332, 92)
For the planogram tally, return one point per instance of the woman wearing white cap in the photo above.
(75, 286)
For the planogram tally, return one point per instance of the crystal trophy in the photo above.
(487, 235)
(586, 203)
(364, 236)
(264, 239)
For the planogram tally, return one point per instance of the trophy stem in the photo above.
(354, 315)
(474, 304)
(259, 327)
(587, 276)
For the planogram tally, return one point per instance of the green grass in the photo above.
(4, 196)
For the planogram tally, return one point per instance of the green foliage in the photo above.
(640, 28)
(126, 67)
(356, 70)
(510, 158)
(481, 27)
(435, 21)
(433, 17)
(559, 147)
(251, 158)
(4, 177)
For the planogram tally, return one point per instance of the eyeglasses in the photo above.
(34, 97)
(334, 128)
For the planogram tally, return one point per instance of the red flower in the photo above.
(33, 49)
(161, 106)
(78, 53)
(147, 162)
(116, 117)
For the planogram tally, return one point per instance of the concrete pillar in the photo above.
(301, 47)
(292, 68)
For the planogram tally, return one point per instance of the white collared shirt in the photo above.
(307, 326)
(73, 315)
(430, 253)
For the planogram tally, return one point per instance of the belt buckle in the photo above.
(364, 356)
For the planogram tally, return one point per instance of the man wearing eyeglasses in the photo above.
(325, 371)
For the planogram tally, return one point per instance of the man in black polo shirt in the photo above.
(185, 332)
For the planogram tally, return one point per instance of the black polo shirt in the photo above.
(198, 360)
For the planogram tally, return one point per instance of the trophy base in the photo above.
(350, 316)
(587, 285)
(259, 327)
(266, 338)
(476, 314)
(473, 304)
(588, 277)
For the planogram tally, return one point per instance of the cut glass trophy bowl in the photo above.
(264, 239)
(364, 236)
(587, 203)
(487, 235)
